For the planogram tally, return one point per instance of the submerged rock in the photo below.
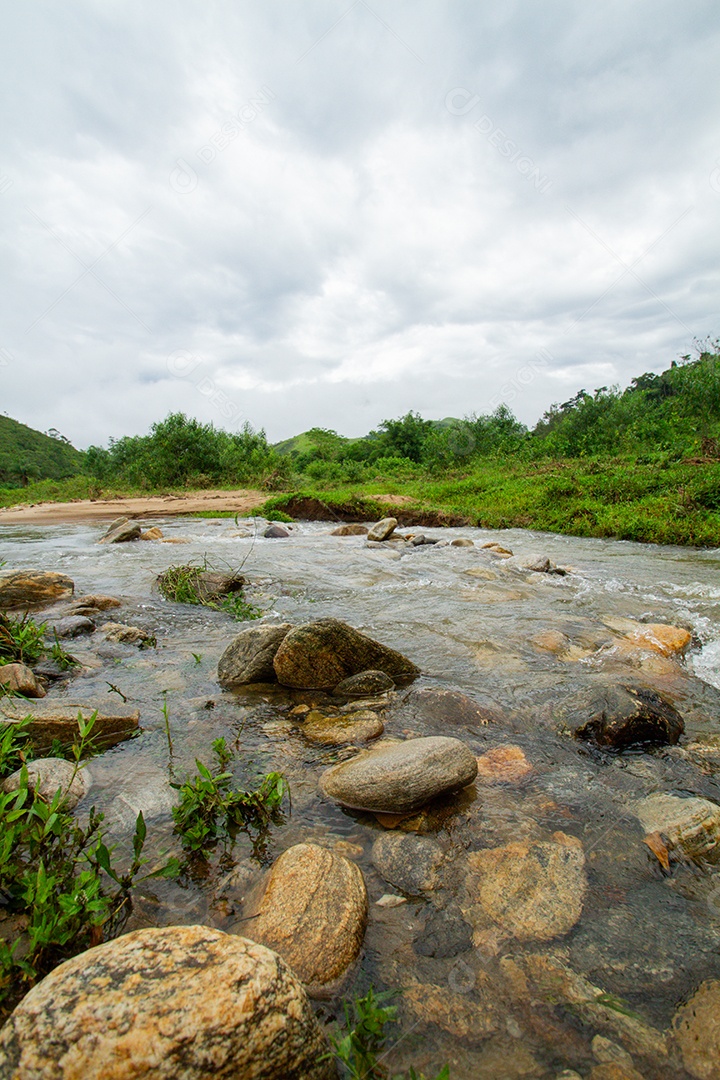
(181, 1001)
(313, 913)
(90, 605)
(381, 530)
(126, 635)
(462, 541)
(120, 531)
(19, 679)
(657, 637)
(213, 585)
(153, 533)
(364, 684)
(442, 707)
(321, 654)
(59, 720)
(624, 716)
(32, 588)
(46, 776)
(503, 765)
(697, 1032)
(691, 824)
(249, 656)
(411, 863)
(73, 626)
(275, 531)
(533, 891)
(458, 1014)
(360, 726)
(350, 530)
(403, 777)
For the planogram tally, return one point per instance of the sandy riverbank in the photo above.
(244, 501)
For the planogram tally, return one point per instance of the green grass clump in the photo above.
(21, 640)
(183, 585)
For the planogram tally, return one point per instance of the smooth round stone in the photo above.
(19, 678)
(403, 777)
(462, 541)
(411, 863)
(359, 726)
(364, 684)
(160, 1004)
(313, 913)
(46, 776)
(249, 656)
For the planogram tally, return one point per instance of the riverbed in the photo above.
(527, 648)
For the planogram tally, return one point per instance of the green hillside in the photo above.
(26, 455)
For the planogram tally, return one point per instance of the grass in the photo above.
(183, 585)
(21, 640)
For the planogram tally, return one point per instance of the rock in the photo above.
(20, 680)
(350, 530)
(32, 588)
(213, 585)
(697, 1032)
(153, 533)
(657, 637)
(503, 765)
(360, 726)
(364, 684)
(46, 776)
(624, 716)
(276, 532)
(691, 824)
(313, 913)
(90, 605)
(321, 654)
(381, 530)
(249, 656)
(402, 777)
(73, 626)
(498, 549)
(411, 863)
(615, 1071)
(121, 531)
(445, 934)
(462, 541)
(126, 635)
(458, 1014)
(418, 540)
(162, 1003)
(58, 720)
(533, 891)
(441, 707)
(390, 900)
(607, 1052)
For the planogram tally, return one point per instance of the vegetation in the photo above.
(210, 809)
(60, 891)
(356, 1048)
(21, 640)
(183, 584)
(27, 455)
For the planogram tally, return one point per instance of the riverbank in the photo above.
(243, 501)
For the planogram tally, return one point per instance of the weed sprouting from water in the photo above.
(21, 640)
(185, 585)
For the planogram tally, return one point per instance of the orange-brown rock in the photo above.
(20, 680)
(32, 589)
(503, 765)
(697, 1032)
(165, 1003)
(313, 913)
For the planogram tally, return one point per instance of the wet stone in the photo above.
(249, 656)
(693, 825)
(503, 765)
(122, 634)
(360, 726)
(410, 863)
(276, 532)
(20, 679)
(32, 588)
(697, 1032)
(401, 777)
(625, 716)
(183, 1001)
(73, 626)
(364, 684)
(47, 776)
(445, 934)
(321, 654)
(121, 531)
(446, 707)
(381, 530)
(350, 530)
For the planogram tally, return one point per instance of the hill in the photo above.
(26, 454)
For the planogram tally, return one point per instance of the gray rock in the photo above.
(121, 531)
(624, 716)
(350, 530)
(46, 776)
(363, 684)
(462, 541)
(418, 540)
(249, 656)
(319, 655)
(177, 1001)
(276, 532)
(442, 707)
(126, 635)
(411, 863)
(213, 585)
(381, 530)
(403, 777)
(445, 934)
(32, 588)
(73, 626)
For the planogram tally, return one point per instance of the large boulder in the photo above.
(59, 720)
(382, 530)
(321, 654)
(33, 588)
(532, 891)
(120, 531)
(164, 1003)
(313, 913)
(624, 716)
(19, 679)
(402, 777)
(249, 656)
(47, 776)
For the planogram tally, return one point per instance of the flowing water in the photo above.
(526, 647)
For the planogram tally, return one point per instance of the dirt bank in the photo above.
(242, 502)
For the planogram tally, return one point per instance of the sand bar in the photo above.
(243, 502)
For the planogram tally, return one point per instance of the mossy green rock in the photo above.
(321, 654)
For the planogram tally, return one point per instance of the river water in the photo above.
(526, 647)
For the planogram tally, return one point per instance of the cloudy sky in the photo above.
(332, 212)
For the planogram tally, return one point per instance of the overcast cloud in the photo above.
(329, 213)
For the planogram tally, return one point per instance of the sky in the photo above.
(330, 213)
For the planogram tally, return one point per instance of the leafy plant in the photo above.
(183, 585)
(211, 809)
(21, 640)
(236, 606)
(62, 658)
(356, 1051)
